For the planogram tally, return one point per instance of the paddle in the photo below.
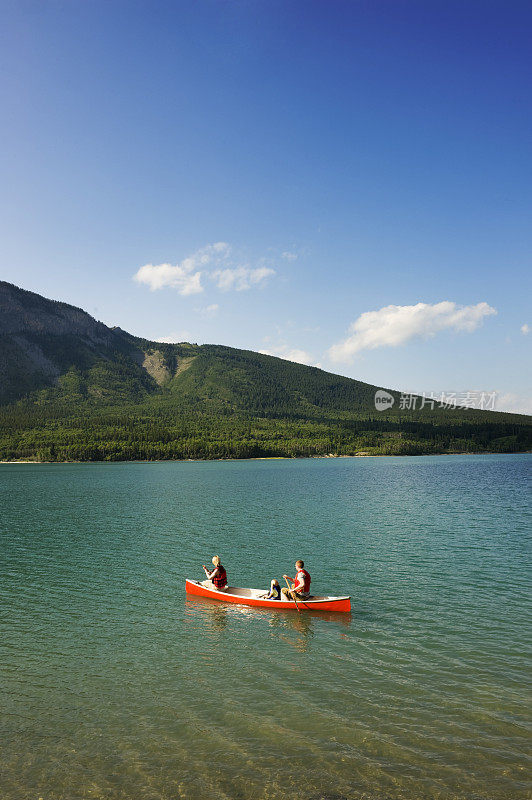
(289, 589)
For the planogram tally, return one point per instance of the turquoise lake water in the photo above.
(114, 685)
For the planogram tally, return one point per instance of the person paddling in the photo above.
(217, 578)
(300, 589)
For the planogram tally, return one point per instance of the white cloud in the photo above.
(215, 261)
(240, 278)
(174, 338)
(157, 276)
(288, 256)
(186, 275)
(291, 354)
(208, 311)
(525, 329)
(514, 403)
(395, 325)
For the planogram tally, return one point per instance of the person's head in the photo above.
(275, 582)
(216, 560)
(300, 564)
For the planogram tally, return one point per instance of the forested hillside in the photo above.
(73, 389)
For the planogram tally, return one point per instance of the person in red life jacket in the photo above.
(217, 578)
(300, 589)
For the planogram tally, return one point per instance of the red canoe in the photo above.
(255, 597)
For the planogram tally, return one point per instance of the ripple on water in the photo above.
(117, 687)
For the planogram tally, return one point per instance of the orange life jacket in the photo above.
(302, 577)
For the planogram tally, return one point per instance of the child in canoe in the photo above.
(275, 591)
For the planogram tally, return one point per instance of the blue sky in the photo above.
(299, 166)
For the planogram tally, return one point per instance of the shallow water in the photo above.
(115, 685)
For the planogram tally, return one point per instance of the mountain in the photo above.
(73, 389)
(44, 343)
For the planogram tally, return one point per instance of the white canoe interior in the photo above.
(260, 594)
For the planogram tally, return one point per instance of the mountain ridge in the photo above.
(63, 373)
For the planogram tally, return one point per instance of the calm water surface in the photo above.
(115, 686)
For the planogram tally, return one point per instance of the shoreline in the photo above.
(267, 458)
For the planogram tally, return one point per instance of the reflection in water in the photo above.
(212, 617)
(300, 624)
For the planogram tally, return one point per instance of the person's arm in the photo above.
(210, 575)
(292, 582)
